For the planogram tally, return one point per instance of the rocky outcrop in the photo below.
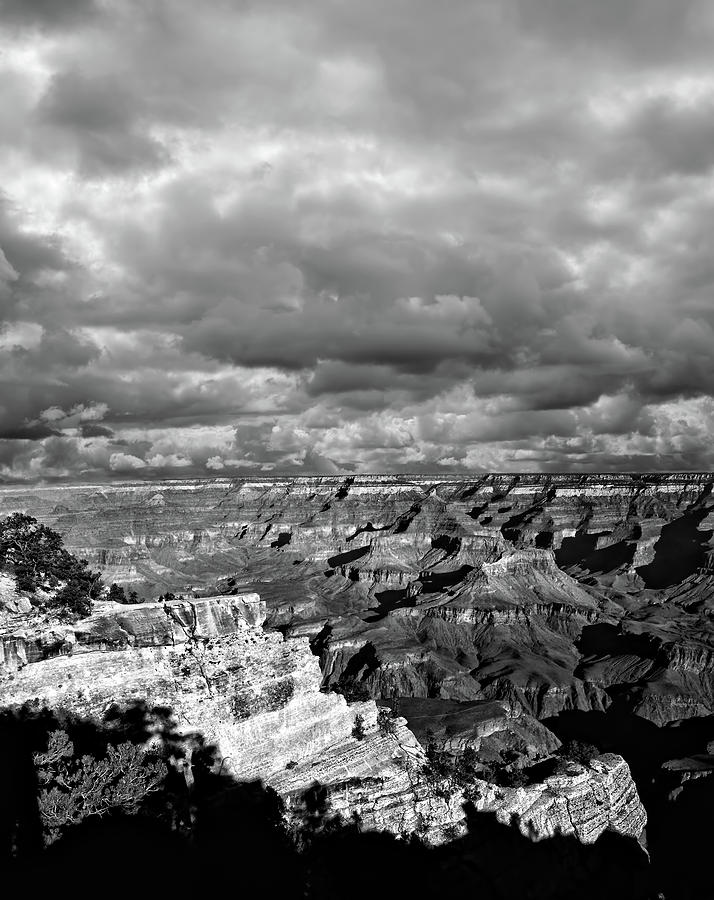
(29, 639)
(256, 696)
(393, 795)
(585, 803)
(253, 693)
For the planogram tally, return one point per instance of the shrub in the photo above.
(386, 721)
(579, 751)
(440, 772)
(25, 581)
(510, 755)
(73, 789)
(512, 778)
(246, 703)
(562, 766)
(503, 775)
(466, 767)
(448, 773)
(117, 594)
(352, 690)
(574, 751)
(358, 729)
(73, 597)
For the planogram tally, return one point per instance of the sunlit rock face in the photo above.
(584, 803)
(27, 638)
(591, 799)
(547, 592)
(256, 696)
(252, 692)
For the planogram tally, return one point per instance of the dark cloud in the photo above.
(47, 14)
(25, 259)
(58, 349)
(90, 430)
(375, 387)
(30, 254)
(678, 136)
(646, 32)
(313, 462)
(102, 121)
(30, 432)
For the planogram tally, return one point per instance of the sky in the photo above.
(322, 237)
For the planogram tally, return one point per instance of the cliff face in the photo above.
(255, 695)
(27, 638)
(584, 803)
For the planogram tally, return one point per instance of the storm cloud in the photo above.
(333, 237)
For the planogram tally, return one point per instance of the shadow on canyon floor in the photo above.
(204, 831)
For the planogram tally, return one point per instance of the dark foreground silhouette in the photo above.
(203, 831)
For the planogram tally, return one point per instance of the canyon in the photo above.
(549, 593)
(507, 614)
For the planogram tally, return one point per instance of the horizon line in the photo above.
(343, 476)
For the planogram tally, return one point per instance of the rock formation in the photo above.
(256, 696)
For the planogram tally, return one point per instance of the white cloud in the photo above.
(170, 461)
(125, 462)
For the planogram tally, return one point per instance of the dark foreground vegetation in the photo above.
(85, 805)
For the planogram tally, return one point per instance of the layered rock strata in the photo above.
(256, 697)
(584, 802)
(27, 638)
(464, 588)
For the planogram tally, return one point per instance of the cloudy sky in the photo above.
(329, 236)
